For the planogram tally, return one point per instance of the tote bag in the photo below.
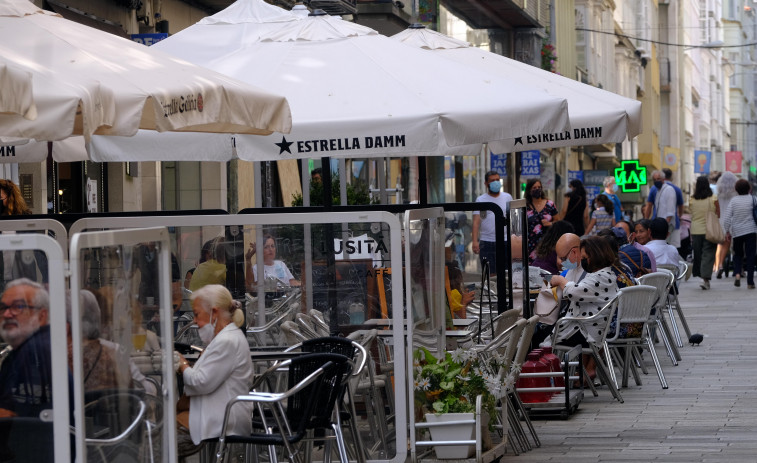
(547, 305)
(714, 232)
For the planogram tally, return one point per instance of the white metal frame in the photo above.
(97, 239)
(401, 400)
(59, 354)
(436, 216)
(37, 225)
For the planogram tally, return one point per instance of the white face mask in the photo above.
(207, 332)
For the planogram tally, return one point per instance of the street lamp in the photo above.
(714, 44)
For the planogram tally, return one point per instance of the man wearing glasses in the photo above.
(25, 375)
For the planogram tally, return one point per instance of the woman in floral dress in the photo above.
(541, 213)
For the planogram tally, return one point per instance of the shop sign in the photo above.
(499, 163)
(630, 176)
(594, 177)
(529, 163)
(575, 175)
(148, 39)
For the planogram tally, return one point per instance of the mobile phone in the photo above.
(470, 287)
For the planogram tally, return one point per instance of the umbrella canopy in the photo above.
(18, 99)
(89, 82)
(596, 116)
(356, 93)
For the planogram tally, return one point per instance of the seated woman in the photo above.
(597, 288)
(223, 371)
(272, 268)
(546, 256)
(458, 297)
(213, 270)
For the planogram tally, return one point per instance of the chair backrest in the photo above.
(635, 304)
(674, 269)
(505, 320)
(524, 343)
(662, 280)
(315, 403)
(292, 333)
(309, 326)
(330, 344)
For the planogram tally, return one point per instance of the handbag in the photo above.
(714, 231)
(640, 269)
(547, 305)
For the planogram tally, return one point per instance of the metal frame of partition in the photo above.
(86, 240)
(57, 290)
(289, 218)
(22, 223)
(501, 220)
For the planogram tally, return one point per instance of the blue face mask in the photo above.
(568, 265)
(615, 188)
(495, 186)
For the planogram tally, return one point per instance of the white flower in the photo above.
(458, 355)
(470, 355)
(424, 384)
(509, 382)
(516, 368)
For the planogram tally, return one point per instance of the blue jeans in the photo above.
(744, 245)
(488, 251)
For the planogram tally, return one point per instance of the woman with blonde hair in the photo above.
(726, 187)
(223, 371)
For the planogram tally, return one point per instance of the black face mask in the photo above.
(584, 263)
(536, 193)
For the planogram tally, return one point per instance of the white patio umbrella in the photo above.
(18, 99)
(89, 82)
(596, 116)
(356, 93)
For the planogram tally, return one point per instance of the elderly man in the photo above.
(26, 375)
(568, 249)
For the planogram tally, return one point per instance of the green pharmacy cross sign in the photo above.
(630, 176)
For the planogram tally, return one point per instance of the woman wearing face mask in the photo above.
(574, 207)
(223, 371)
(541, 214)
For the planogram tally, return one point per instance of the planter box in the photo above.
(453, 432)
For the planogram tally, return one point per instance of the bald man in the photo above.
(568, 249)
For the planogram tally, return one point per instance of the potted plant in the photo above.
(446, 390)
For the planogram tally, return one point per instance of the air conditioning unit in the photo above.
(144, 13)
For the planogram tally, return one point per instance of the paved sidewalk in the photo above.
(709, 412)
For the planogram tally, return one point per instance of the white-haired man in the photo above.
(26, 374)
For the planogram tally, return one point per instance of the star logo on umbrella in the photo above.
(518, 140)
(284, 145)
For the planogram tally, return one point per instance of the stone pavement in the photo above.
(709, 412)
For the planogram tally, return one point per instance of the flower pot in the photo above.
(452, 432)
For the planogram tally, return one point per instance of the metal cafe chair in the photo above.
(315, 383)
(662, 280)
(635, 304)
(603, 317)
(674, 306)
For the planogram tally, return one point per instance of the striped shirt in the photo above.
(738, 217)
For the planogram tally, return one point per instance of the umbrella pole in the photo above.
(422, 189)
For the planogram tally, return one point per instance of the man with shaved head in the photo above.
(568, 249)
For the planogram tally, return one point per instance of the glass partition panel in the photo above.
(519, 289)
(302, 275)
(122, 345)
(35, 380)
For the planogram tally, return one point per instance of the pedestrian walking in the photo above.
(483, 231)
(726, 187)
(739, 224)
(701, 204)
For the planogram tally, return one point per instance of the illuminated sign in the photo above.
(630, 176)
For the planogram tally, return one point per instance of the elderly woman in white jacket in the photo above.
(223, 371)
